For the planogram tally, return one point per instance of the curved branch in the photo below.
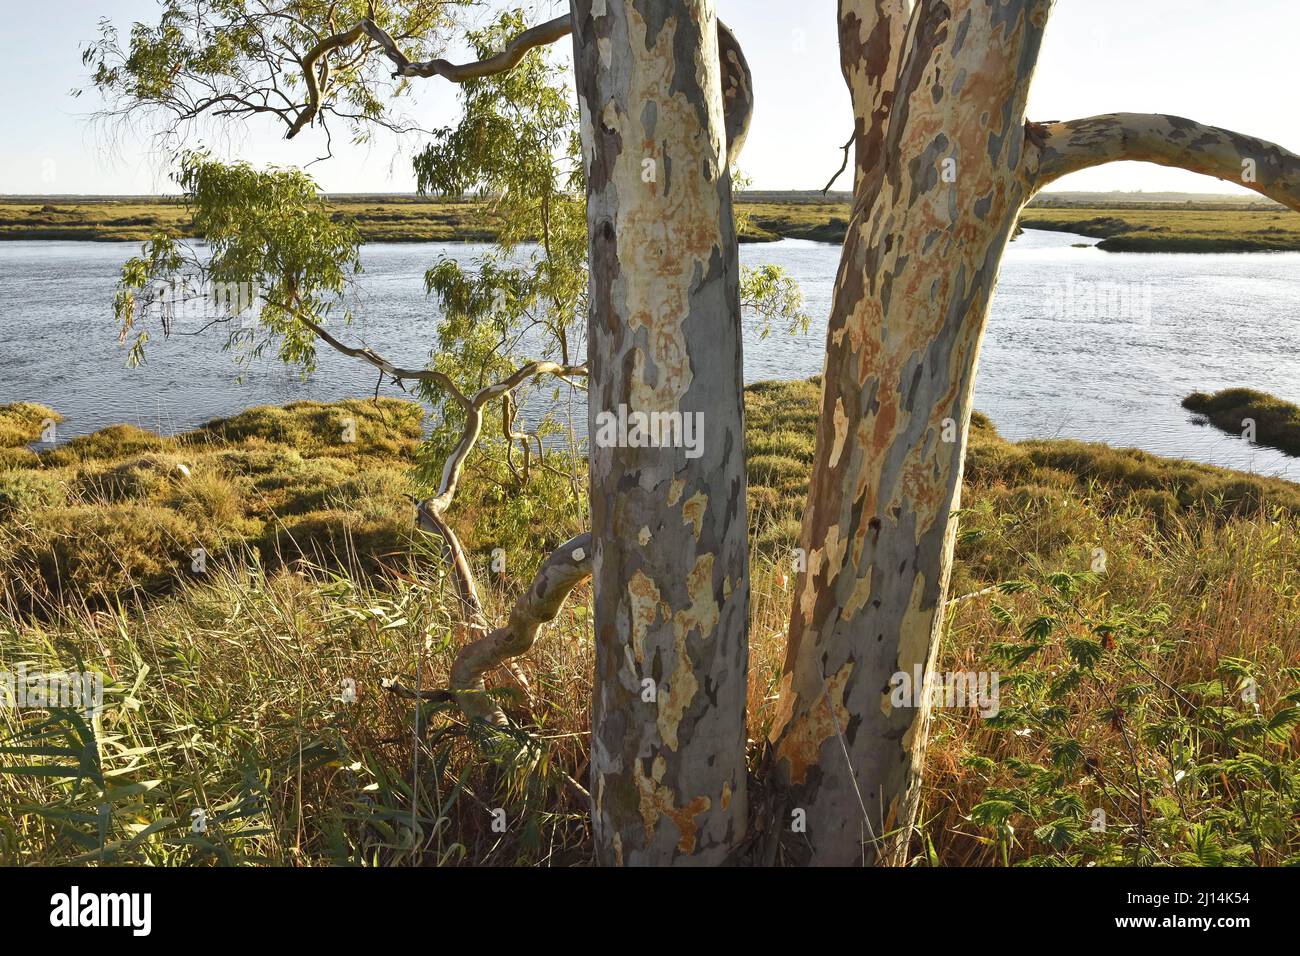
(1258, 165)
(474, 422)
(536, 36)
(566, 568)
(431, 513)
(457, 559)
(737, 81)
(313, 81)
(379, 362)
(507, 59)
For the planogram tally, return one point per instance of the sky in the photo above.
(1225, 64)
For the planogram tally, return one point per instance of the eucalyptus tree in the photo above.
(945, 159)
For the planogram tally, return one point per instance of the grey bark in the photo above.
(670, 570)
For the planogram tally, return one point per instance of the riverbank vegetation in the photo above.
(1259, 228)
(763, 217)
(1143, 615)
(377, 219)
(1276, 423)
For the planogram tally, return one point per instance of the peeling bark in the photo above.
(911, 298)
(872, 34)
(668, 774)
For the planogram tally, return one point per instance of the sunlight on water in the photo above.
(1081, 343)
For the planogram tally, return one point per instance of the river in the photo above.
(1080, 343)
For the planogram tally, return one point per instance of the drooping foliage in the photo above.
(274, 256)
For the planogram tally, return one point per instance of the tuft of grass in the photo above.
(1277, 422)
(27, 491)
(22, 422)
(383, 427)
(106, 445)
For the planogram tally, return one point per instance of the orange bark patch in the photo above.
(693, 511)
(800, 746)
(643, 600)
(657, 800)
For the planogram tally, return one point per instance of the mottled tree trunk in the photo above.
(933, 210)
(668, 529)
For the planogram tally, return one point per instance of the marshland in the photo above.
(355, 586)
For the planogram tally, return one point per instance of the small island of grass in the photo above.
(1277, 422)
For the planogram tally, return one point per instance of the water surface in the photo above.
(1080, 343)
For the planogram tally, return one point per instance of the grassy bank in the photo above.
(379, 219)
(1174, 229)
(387, 219)
(1277, 423)
(1146, 632)
(1126, 227)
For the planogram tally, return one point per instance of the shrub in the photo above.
(141, 478)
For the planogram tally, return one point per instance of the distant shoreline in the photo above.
(1123, 222)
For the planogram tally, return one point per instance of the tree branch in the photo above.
(566, 568)
(844, 164)
(737, 91)
(1259, 165)
(313, 81)
(507, 59)
(536, 36)
(379, 362)
(431, 513)
(737, 81)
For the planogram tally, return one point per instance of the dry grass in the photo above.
(226, 693)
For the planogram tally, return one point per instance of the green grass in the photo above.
(1277, 422)
(224, 688)
(1174, 228)
(1198, 227)
(378, 219)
